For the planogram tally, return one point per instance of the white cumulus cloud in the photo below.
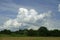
(26, 19)
(59, 7)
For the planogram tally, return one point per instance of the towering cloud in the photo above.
(26, 19)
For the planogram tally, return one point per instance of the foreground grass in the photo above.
(22, 37)
(29, 38)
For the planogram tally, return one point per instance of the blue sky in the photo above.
(9, 9)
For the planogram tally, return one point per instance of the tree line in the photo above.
(42, 31)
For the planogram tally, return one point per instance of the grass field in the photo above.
(29, 38)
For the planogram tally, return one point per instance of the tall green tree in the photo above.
(43, 31)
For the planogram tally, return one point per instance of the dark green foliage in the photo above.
(5, 32)
(54, 33)
(42, 31)
(32, 32)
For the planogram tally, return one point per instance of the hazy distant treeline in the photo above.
(42, 31)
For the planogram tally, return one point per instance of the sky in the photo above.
(29, 14)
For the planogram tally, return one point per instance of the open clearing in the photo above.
(29, 38)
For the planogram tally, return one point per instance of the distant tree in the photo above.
(55, 32)
(25, 32)
(6, 32)
(30, 32)
(43, 31)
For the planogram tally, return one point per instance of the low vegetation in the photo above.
(29, 38)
